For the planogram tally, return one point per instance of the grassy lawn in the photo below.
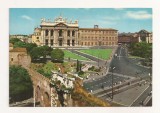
(100, 53)
(68, 54)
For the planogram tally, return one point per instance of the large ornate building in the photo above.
(60, 32)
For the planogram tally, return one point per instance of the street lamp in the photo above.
(112, 81)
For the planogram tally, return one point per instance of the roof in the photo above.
(19, 50)
(57, 21)
(125, 34)
(97, 29)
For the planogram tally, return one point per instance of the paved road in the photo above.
(104, 81)
(124, 65)
(139, 100)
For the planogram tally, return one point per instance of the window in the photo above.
(52, 32)
(73, 33)
(37, 38)
(11, 59)
(60, 33)
(82, 43)
(68, 33)
(51, 42)
(68, 42)
(46, 33)
(106, 38)
(92, 43)
(73, 42)
(46, 42)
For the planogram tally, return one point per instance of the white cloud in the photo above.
(138, 15)
(26, 17)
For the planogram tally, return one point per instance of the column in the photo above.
(147, 39)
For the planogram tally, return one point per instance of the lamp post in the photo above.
(112, 81)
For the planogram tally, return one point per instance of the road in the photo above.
(142, 97)
(122, 66)
(126, 66)
(104, 81)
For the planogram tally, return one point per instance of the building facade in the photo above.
(61, 33)
(144, 36)
(141, 36)
(56, 33)
(127, 38)
(98, 36)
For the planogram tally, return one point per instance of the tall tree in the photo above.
(20, 84)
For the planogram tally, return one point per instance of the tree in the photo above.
(19, 44)
(142, 49)
(14, 40)
(20, 84)
(36, 53)
(46, 50)
(57, 55)
(30, 46)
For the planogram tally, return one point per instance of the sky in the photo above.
(24, 20)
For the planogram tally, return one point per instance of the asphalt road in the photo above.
(142, 97)
(104, 81)
(126, 66)
(123, 66)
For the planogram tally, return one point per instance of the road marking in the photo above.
(138, 96)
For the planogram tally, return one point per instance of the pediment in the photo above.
(61, 25)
